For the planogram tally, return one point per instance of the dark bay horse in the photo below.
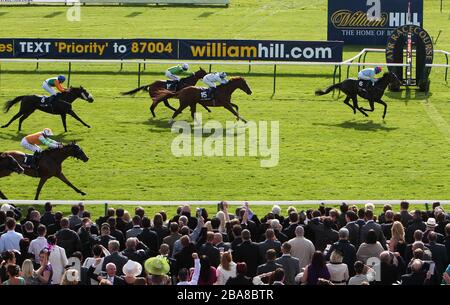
(62, 106)
(158, 85)
(190, 96)
(350, 88)
(8, 165)
(50, 165)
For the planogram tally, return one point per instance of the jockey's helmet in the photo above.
(61, 78)
(185, 67)
(378, 69)
(47, 132)
(222, 75)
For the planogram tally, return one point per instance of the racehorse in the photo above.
(8, 165)
(50, 164)
(61, 105)
(350, 88)
(158, 85)
(190, 96)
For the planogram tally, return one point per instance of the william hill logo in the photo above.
(348, 19)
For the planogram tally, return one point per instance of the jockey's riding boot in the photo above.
(211, 92)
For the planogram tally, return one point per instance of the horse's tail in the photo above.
(164, 94)
(327, 90)
(134, 91)
(11, 103)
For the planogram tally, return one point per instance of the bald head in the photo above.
(299, 231)
(217, 238)
(343, 233)
(416, 265)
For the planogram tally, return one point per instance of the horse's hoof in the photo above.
(4, 126)
(88, 126)
(83, 194)
(171, 122)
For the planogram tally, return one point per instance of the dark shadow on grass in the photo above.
(3, 13)
(133, 14)
(52, 15)
(205, 14)
(18, 136)
(366, 125)
(408, 94)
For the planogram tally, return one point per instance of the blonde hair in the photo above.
(225, 260)
(208, 226)
(73, 274)
(27, 268)
(336, 257)
(126, 216)
(398, 231)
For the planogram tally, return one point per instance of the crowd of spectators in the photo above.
(325, 246)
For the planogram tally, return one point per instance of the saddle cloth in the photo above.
(206, 94)
(47, 101)
(172, 85)
(31, 160)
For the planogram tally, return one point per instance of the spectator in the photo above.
(173, 236)
(330, 235)
(372, 225)
(24, 245)
(291, 265)
(370, 248)
(404, 214)
(159, 227)
(339, 274)
(359, 278)
(344, 247)
(353, 228)
(13, 276)
(220, 244)
(301, 248)
(148, 237)
(57, 259)
(209, 250)
(184, 256)
(237, 239)
(121, 224)
(105, 235)
(278, 277)
(397, 240)
(276, 227)
(382, 216)
(226, 269)
(208, 273)
(56, 226)
(115, 257)
(99, 253)
(386, 226)
(75, 219)
(68, 238)
(9, 258)
(269, 243)
(241, 278)
(86, 238)
(183, 275)
(110, 212)
(416, 223)
(38, 244)
(157, 269)
(131, 271)
(247, 252)
(111, 273)
(133, 253)
(431, 225)
(45, 271)
(342, 219)
(317, 269)
(447, 239)
(70, 277)
(417, 276)
(10, 240)
(388, 271)
(136, 229)
(293, 223)
(270, 264)
(114, 232)
(48, 218)
(28, 231)
(28, 273)
(438, 255)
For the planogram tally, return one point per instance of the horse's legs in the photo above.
(206, 107)
(2, 196)
(39, 188)
(178, 111)
(346, 102)
(166, 103)
(23, 118)
(66, 181)
(63, 119)
(235, 106)
(15, 117)
(385, 107)
(355, 104)
(372, 107)
(76, 117)
(193, 110)
(231, 109)
(152, 108)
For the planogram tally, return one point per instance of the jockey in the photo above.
(211, 79)
(369, 74)
(32, 141)
(54, 82)
(173, 72)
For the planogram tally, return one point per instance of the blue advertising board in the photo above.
(370, 22)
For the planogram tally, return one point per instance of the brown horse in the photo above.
(50, 164)
(190, 96)
(158, 85)
(8, 165)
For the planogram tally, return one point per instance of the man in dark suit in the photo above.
(48, 217)
(115, 257)
(415, 224)
(110, 212)
(219, 243)
(105, 236)
(211, 251)
(417, 277)
(405, 217)
(353, 228)
(247, 252)
(372, 225)
(117, 234)
(438, 255)
(215, 224)
(56, 226)
(289, 231)
(269, 243)
(149, 237)
(237, 239)
(347, 250)
(184, 257)
(68, 239)
(386, 226)
(132, 252)
(447, 240)
(270, 264)
(291, 265)
(316, 231)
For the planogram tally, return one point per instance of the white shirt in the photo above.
(215, 77)
(338, 273)
(10, 241)
(36, 246)
(98, 269)
(303, 249)
(223, 275)
(358, 279)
